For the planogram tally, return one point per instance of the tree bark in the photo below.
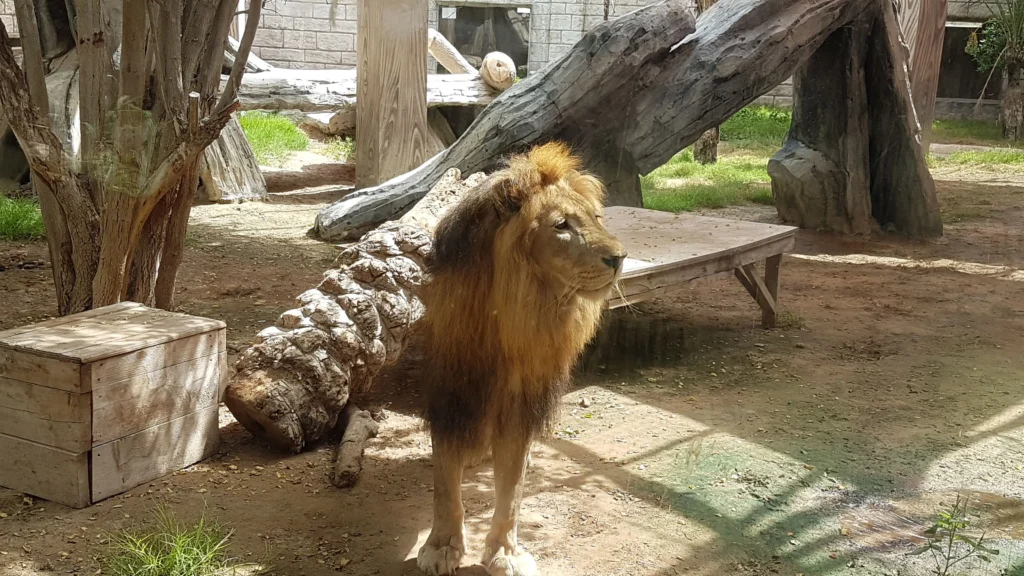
(705, 149)
(631, 94)
(111, 209)
(1012, 117)
(359, 428)
(924, 27)
(291, 386)
(852, 161)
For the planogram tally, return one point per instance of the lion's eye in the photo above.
(562, 224)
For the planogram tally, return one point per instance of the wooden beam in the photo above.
(335, 90)
(923, 23)
(391, 88)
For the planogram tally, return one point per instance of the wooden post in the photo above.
(923, 23)
(391, 89)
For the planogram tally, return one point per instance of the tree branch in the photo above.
(32, 56)
(252, 23)
(213, 61)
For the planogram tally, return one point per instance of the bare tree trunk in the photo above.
(291, 386)
(705, 149)
(115, 220)
(1012, 117)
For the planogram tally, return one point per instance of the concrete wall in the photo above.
(301, 34)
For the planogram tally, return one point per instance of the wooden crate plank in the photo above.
(132, 405)
(662, 281)
(136, 336)
(54, 322)
(49, 416)
(112, 370)
(42, 370)
(664, 241)
(56, 341)
(125, 463)
(56, 475)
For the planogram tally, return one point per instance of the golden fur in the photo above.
(519, 275)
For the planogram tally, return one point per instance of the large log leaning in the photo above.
(853, 160)
(629, 95)
(290, 387)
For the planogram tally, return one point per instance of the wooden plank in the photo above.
(771, 281)
(391, 89)
(144, 334)
(60, 321)
(745, 281)
(41, 370)
(112, 370)
(125, 463)
(61, 341)
(43, 471)
(666, 241)
(763, 297)
(665, 280)
(49, 416)
(132, 405)
(925, 41)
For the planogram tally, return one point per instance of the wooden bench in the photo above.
(667, 251)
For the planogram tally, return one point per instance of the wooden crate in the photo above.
(94, 404)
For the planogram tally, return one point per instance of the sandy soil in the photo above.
(694, 443)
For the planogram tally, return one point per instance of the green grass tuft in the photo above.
(683, 185)
(340, 149)
(981, 158)
(272, 137)
(757, 128)
(971, 132)
(20, 219)
(173, 548)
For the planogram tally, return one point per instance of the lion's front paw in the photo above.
(518, 564)
(439, 560)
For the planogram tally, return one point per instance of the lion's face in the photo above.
(569, 246)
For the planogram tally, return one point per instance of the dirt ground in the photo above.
(695, 442)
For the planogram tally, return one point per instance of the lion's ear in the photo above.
(465, 236)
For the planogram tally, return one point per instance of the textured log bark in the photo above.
(291, 386)
(359, 427)
(1011, 117)
(853, 161)
(705, 149)
(924, 27)
(644, 86)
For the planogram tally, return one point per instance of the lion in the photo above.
(519, 276)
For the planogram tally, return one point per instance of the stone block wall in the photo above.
(7, 17)
(302, 34)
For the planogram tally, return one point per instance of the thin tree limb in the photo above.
(252, 23)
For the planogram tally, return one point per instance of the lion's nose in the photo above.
(614, 261)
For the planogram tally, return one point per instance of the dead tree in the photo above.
(115, 215)
(853, 161)
(629, 95)
(291, 386)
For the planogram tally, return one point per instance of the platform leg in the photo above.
(771, 283)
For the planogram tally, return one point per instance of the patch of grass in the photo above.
(20, 219)
(757, 128)
(790, 321)
(173, 548)
(684, 185)
(981, 158)
(272, 137)
(340, 149)
(973, 132)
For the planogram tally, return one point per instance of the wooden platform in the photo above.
(667, 251)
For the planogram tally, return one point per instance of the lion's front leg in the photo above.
(502, 555)
(442, 553)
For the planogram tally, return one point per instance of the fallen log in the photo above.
(335, 90)
(629, 95)
(290, 387)
(359, 428)
(310, 176)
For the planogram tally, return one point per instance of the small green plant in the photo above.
(20, 219)
(173, 548)
(340, 149)
(948, 543)
(272, 137)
